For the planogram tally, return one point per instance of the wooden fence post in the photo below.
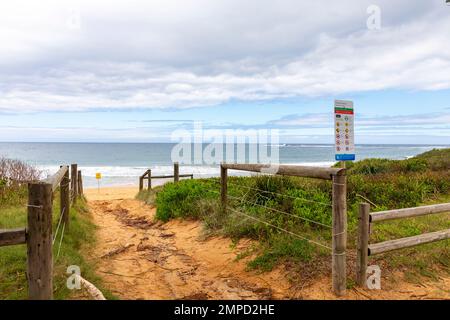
(74, 178)
(141, 183)
(80, 184)
(176, 172)
(39, 242)
(339, 234)
(224, 187)
(149, 179)
(65, 198)
(363, 243)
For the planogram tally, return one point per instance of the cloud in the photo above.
(162, 121)
(77, 56)
(325, 120)
(304, 128)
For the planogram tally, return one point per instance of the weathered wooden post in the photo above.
(74, 178)
(176, 172)
(339, 233)
(141, 183)
(80, 184)
(65, 198)
(223, 187)
(39, 242)
(149, 179)
(363, 244)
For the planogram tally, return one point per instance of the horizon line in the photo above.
(280, 144)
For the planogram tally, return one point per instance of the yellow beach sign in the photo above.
(98, 176)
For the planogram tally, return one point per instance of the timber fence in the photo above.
(365, 249)
(338, 207)
(38, 235)
(147, 176)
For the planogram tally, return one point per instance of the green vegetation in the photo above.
(294, 204)
(13, 283)
(279, 248)
(13, 176)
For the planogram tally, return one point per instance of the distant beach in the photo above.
(121, 163)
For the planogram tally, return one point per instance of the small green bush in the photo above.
(180, 200)
(13, 175)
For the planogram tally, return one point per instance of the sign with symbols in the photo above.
(98, 176)
(344, 130)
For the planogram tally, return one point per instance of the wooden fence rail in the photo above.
(38, 234)
(172, 176)
(366, 218)
(409, 212)
(148, 176)
(339, 207)
(408, 242)
(289, 170)
(10, 237)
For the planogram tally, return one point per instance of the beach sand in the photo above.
(111, 193)
(140, 258)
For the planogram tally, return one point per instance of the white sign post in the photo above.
(344, 130)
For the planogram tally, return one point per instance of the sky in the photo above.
(136, 71)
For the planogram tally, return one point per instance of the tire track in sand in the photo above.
(172, 261)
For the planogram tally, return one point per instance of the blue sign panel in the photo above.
(345, 157)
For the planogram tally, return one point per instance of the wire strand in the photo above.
(60, 241)
(276, 210)
(283, 212)
(283, 195)
(59, 223)
(281, 229)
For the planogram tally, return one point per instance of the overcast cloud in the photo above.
(182, 54)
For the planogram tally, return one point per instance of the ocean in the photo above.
(122, 163)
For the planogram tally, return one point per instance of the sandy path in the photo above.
(170, 261)
(174, 261)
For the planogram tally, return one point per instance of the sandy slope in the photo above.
(174, 261)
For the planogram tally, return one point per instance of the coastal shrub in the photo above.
(16, 171)
(210, 212)
(13, 177)
(180, 200)
(379, 166)
(290, 202)
(436, 159)
(413, 165)
(268, 187)
(392, 191)
(312, 204)
(370, 166)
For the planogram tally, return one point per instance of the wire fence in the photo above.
(279, 228)
(243, 202)
(283, 195)
(65, 211)
(61, 225)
